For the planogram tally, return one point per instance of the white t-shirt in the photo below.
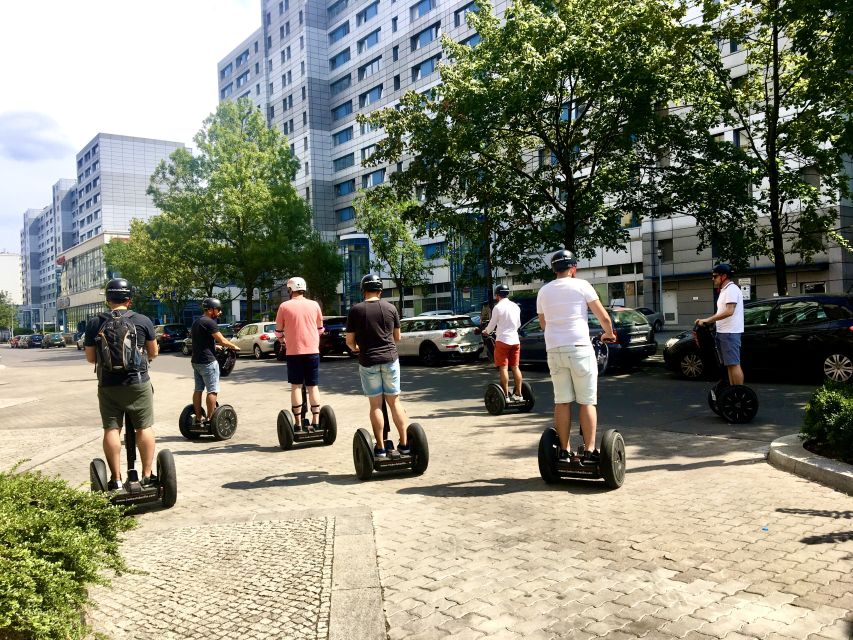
(564, 303)
(506, 317)
(730, 293)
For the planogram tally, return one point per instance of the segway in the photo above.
(415, 462)
(226, 358)
(610, 464)
(165, 490)
(289, 432)
(737, 404)
(497, 402)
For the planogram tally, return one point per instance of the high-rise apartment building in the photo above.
(10, 276)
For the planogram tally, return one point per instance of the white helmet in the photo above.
(296, 284)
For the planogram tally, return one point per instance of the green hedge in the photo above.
(829, 419)
(55, 541)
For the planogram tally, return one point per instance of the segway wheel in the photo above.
(602, 354)
(529, 398)
(285, 429)
(738, 404)
(714, 396)
(98, 475)
(362, 454)
(495, 399)
(185, 423)
(549, 448)
(420, 448)
(168, 478)
(329, 425)
(223, 422)
(613, 459)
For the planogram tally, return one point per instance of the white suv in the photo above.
(436, 338)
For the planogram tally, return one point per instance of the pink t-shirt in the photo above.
(301, 320)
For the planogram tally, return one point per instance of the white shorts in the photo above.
(574, 374)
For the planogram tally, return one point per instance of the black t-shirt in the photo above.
(144, 334)
(203, 343)
(373, 324)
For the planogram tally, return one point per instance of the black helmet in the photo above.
(211, 303)
(502, 290)
(563, 260)
(725, 268)
(371, 282)
(118, 290)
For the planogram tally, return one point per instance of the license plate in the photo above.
(636, 339)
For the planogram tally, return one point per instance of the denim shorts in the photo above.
(304, 369)
(728, 346)
(206, 376)
(380, 378)
(574, 374)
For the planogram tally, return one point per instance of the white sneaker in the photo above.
(516, 398)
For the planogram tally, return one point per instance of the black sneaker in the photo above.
(591, 456)
(114, 485)
(404, 449)
(150, 481)
(379, 452)
(565, 456)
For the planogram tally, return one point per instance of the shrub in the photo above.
(54, 541)
(829, 419)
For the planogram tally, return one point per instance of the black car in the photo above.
(170, 337)
(36, 340)
(797, 334)
(53, 340)
(334, 337)
(636, 340)
(187, 344)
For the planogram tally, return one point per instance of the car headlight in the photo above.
(671, 342)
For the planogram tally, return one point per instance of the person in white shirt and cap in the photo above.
(505, 320)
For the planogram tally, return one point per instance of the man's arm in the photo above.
(91, 358)
(397, 334)
(493, 321)
(604, 318)
(541, 320)
(151, 349)
(727, 311)
(225, 342)
(351, 342)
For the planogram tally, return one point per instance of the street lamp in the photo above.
(660, 279)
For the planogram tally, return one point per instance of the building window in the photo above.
(347, 213)
(367, 151)
(394, 24)
(459, 16)
(434, 250)
(471, 41)
(342, 110)
(425, 68)
(344, 188)
(396, 83)
(370, 11)
(341, 84)
(370, 97)
(271, 88)
(339, 164)
(368, 69)
(373, 178)
(300, 16)
(225, 71)
(367, 127)
(339, 32)
(304, 117)
(395, 53)
(341, 136)
(422, 8)
(368, 41)
(426, 36)
(243, 58)
(341, 58)
(226, 91)
(336, 8)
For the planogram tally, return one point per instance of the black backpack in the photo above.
(116, 345)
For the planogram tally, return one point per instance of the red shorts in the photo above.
(507, 355)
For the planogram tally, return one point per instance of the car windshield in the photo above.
(628, 318)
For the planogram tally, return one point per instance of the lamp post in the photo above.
(660, 278)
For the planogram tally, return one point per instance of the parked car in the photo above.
(636, 340)
(35, 340)
(13, 343)
(655, 318)
(257, 339)
(53, 340)
(169, 337)
(79, 339)
(24, 342)
(187, 344)
(334, 336)
(440, 312)
(797, 334)
(434, 339)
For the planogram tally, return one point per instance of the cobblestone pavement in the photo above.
(704, 540)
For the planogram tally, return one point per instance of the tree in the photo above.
(545, 127)
(234, 205)
(791, 109)
(323, 267)
(379, 215)
(8, 311)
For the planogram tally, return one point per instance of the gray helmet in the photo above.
(118, 290)
(563, 260)
(211, 303)
(502, 290)
(725, 268)
(371, 282)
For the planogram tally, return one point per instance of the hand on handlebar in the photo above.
(609, 337)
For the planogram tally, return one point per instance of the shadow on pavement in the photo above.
(693, 465)
(241, 447)
(295, 479)
(835, 515)
(486, 487)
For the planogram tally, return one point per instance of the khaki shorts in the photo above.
(135, 400)
(574, 374)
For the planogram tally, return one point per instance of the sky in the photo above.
(76, 69)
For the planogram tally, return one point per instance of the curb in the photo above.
(787, 453)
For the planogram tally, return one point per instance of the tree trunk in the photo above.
(773, 164)
(490, 285)
(250, 290)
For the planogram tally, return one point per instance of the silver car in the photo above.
(433, 339)
(257, 339)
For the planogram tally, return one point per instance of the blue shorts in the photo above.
(304, 369)
(380, 378)
(728, 347)
(206, 376)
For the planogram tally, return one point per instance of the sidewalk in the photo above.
(704, 540)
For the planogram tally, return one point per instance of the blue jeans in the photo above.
(206, 376)
(380, 379)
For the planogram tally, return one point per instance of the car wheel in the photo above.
(258, 353)
(429, 354)
(691, 366)
(184, 349)
(658, 325)
(838, 367)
